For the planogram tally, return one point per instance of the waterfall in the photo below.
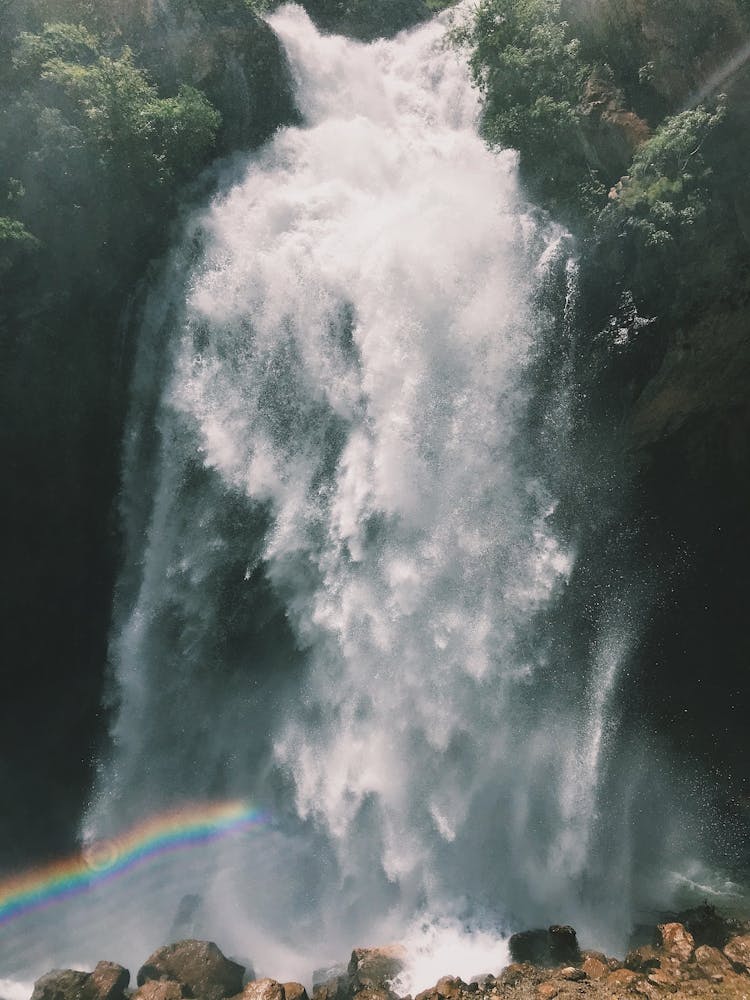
(345, 591)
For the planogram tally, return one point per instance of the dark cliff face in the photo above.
(66, 356)
(367, 19)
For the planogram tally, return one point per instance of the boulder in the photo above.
(108, 981)
(595, 965)
(60, 984)
(530, 947)
(563, 945)
(708, 926)
(663, 978)
(621, 978)
(711, 962)
(158, 989)
(295, 991)
(262, 989)
(676, 941)
(737, 950)
(198, 966)
(558, 945)
(337, 988)
(450, 987)
(375, 967)
(610, 131)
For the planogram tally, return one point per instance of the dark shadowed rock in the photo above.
(558, 945)
(642, 959)
(108, 981)
(529, 946)
(708, 926)
(563, 945)
(366, 19)
(198, 966)
(60, 984)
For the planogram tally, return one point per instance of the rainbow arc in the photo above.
(105, 860)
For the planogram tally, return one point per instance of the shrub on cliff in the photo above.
(679, 198)
(663, 198)
(531, 75)
(115, 106)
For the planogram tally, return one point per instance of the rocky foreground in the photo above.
(702, 955)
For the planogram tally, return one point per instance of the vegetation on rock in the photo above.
(110, 113)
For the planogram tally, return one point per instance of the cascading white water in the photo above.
(341, 552)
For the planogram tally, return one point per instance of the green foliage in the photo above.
(664, 197)
(15, 240)
(14, 232)
(70, 42)
(530, 73)
(186, 128)
(133, 132)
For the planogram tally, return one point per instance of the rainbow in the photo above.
(105, 860)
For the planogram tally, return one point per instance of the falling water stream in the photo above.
(344, 579)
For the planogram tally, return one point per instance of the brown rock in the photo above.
(60, 984)
(611, 132)
(295, 991)
(621, 977)
(518, 972)
(158, 989)
(547, 991)
(262, 989)
(198, 966)
(737, 950)
(677, 942)
(376, 967)
(375, 993)
(642, 959)
(108, 981)
(711, 962)
(661, 977)
(450, 987)
(594, 967)
(337, 988)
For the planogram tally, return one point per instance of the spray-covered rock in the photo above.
(60, 984)
(198, 966)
